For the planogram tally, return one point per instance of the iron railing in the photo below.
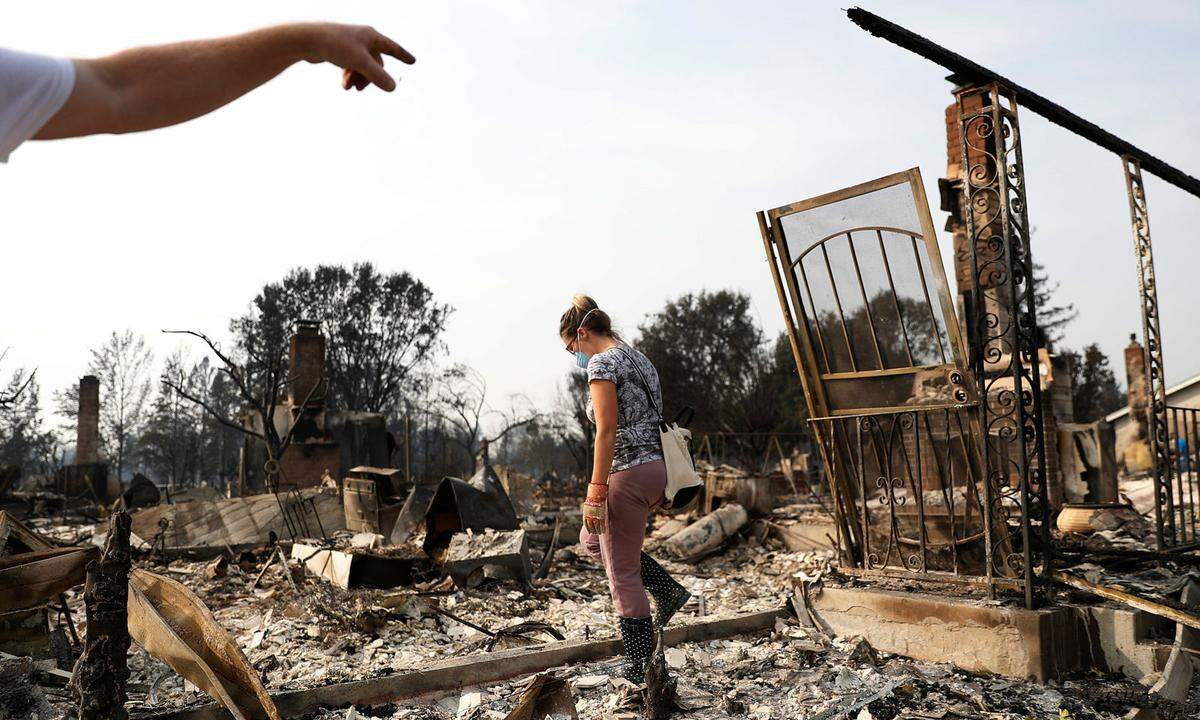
(921, 500)
(1178, 486)
(1155, 375)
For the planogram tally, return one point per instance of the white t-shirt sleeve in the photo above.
(32, 89)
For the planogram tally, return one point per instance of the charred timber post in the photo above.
(973, 72)
(101, 671)
(1156, 395)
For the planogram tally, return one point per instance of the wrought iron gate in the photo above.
(894, 407)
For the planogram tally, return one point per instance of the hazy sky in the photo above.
(538, 149)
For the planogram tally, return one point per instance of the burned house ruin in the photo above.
(326, 442)
(947, 541)
(88, 475)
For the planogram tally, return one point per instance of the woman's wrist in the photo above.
(597, 494)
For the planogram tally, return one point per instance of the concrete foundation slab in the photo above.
(986, 637)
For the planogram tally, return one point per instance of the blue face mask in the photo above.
(581, 358)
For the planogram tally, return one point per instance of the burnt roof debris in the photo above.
(964, 69)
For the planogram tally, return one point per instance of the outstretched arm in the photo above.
(153, 87)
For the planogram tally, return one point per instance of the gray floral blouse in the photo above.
(638, 439)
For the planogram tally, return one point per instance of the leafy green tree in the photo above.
(123, 364)
(1094, 391)
(24, 440)
(380, 329)
(782, 389)
(1053, 317)
(171, 446)
(706, 348)
(711, 355)
(220, 444)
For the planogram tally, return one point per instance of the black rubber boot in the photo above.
(668, 594)
(637, 639)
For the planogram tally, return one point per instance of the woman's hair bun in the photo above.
(585, 313)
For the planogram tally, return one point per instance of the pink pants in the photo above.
(632, 496)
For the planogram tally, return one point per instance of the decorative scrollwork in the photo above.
(906, 462)
(1005, 332)
(1156, 410)
(885, 435)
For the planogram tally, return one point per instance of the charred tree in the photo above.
(661, 688)
(261, 384)
(101, 672)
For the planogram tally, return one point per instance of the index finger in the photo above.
(389, 46)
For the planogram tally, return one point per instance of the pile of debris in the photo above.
(473, 611)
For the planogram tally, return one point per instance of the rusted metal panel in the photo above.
(233, 521)
(458, 505)
(168, 621)
(28, 579)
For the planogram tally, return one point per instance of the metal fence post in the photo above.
(1005, 345)
(1156, 407)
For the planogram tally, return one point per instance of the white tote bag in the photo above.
(683, 483)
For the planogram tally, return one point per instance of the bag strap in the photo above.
(645, 385)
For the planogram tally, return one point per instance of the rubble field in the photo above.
(318, 634)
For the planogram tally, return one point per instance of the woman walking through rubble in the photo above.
(628, 477)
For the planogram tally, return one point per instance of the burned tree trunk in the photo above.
(659, 697)
(101, 672)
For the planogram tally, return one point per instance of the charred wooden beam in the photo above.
(548, 696)
(973, 72)
(1137, 602)
(456, 673)
(1099, 555)
(101, 672)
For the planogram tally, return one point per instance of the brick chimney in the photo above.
(306, 362)
(979, 160)
(87, 441)
(954, 201)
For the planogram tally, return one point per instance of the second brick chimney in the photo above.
(1135, 380)
(306, 361)
(87, 439)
